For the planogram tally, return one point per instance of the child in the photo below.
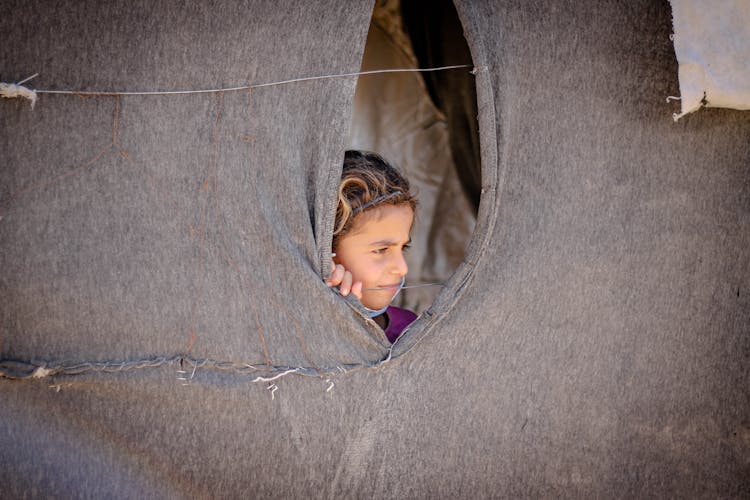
(374, 217)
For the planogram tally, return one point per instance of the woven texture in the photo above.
(162, 260)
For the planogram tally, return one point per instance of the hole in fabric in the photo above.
(425, 124)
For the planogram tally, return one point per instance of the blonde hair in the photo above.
(368, 181)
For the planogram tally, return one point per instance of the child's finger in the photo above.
(346, 284)
(334, 267)
(357, 290)
(337, 274)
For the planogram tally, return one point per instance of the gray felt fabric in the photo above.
(595, 342)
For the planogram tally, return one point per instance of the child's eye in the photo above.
(380, 251)
(406, 247)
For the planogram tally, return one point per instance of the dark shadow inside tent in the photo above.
(425, 123)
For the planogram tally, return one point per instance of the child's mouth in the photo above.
(382, 288)
(395, 286)
(392, 287)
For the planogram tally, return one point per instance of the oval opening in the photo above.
(425, 123)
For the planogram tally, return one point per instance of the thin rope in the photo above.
(250, 86)
(27, 79)
(418, 285)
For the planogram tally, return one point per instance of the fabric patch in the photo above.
(712, 44)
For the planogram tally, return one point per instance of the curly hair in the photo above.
(368, 181)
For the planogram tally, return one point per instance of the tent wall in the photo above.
(140, 227)
(593, 343)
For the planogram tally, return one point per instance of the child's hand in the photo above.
(343, 279)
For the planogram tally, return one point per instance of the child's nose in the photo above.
(399, 264)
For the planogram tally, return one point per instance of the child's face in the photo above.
(373, 251)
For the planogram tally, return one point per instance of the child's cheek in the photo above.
(368, 270)
(377, 270)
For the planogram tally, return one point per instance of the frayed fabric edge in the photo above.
(14, 91)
